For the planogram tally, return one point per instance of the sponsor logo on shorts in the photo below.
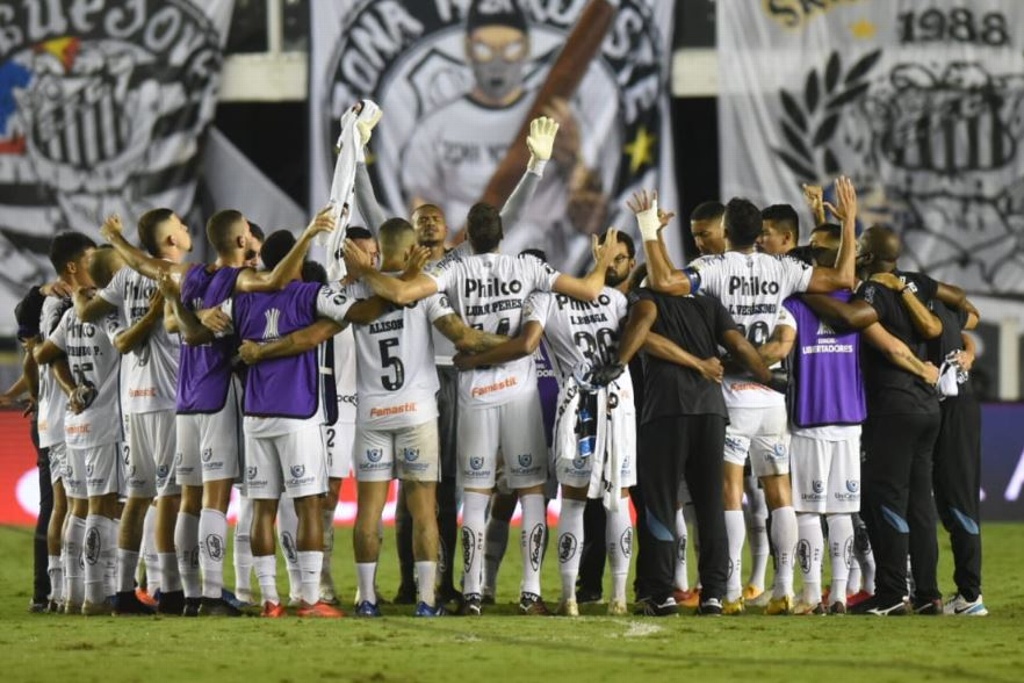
(411, 454)
(214, 547)
(578, 462)
(852, 485)
(297, 471)
(92, 545)
(733, 443)
(162, 471)
(251, 471)
(88, 470)
(779, 451)
(524, 465)
(207, 455)
(567, 545)
(374, 454)
(525, 459)
(476, 462)
(818, 485)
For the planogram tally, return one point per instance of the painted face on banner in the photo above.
(497, 55)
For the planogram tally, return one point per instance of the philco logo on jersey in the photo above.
(492, 287)
(752, 286)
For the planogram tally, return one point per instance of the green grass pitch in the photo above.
(502, 646)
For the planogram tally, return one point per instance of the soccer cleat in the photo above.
(487, 599)
(406, 595)
(690, 598)
(837, 608)
(585, 596)
(857, 598)
(876, 607)
(762, 599)
(145, 598)
(367, 609)
(273, 610)
(779, 606)
(810, 609)
(734, 608)
(321, 610)
(532, 605)
(38, 606)
(712, 607)
(751, 593)
(172, 603)
(328, 596)
(656, 608)
(96, 609)
(218, 607)
(53, 607)
(191, 607)
(617, 608)
(128, 603)
(568, 608)
(960, 606)
(928, 608)
(425, 610)
(471, 606)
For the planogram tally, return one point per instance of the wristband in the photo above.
(649, 223)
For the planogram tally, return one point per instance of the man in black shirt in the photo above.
(682, 432)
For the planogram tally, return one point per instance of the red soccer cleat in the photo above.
(273, 610)
(145, 598)
(857, 598)
(320, 610)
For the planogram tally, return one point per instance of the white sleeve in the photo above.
(59, 336)
(785, 318)
(441, 274)
(712, 275)
(333, 303)
(113, 293)
(540, 274)
(537, 308)
(437, 306)
(797, 275)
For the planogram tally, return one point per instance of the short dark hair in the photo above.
(358, 232)
(621, 238)
(257, 231)
(276, 247)
(804, 253)
(66, 247)
(707, 211)
(148, 223)
(218, 228)
(742, 222)
(314, 272)
(483, 228)
(833, 230)
(538, 254)
(785, 217)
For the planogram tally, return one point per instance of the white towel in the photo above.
(350, 151)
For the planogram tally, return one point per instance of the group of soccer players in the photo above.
(164, 384)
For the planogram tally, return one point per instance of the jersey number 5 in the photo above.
(393, 362)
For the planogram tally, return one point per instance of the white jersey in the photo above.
(151, 369)
(752, 287)
(52, 402)
(95, 364)
(345, 375)
(577, 331)
(444, 348)
(488, 291)
(397, 378)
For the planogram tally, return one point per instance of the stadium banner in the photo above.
(921, 102)
(457, 79)
(104, 108)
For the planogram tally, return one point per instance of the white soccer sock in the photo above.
(496, 543)
(95, 566)
(326, 576)
(853, 579)
(682, 578)
(474, 525)
(810, 548)
(186, 544)
(784, 536)
(242, 558)
(366, 574)
(310, 564)
(55, 569)
(426, 579)
(618, 536)
(866, 560)
(169, 575)
(736, 532)
(531, 542)
(755, 518)
(74, 538)
(110, 529)
(213, 533)
(127, 562)
(266, 575)
(149, 558)
(570, 544)
(287, 531)
(840, 539)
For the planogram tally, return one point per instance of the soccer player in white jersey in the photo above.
(69, 254)
(151, 355)
(752, 286)
(92, 431)
(207, 461)
(582, 335)
(487, 290)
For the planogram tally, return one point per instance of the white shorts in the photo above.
(517, 429)
(408, 453)
(93, 471)
(340, 439)
(151, 439)
(208, 445)
(575, 471)
(826, 475)
(294, 464)
(57, 453)
(764, 434)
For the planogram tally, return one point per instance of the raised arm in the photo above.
(135, 335)
(298, 342)
(662, 276)
(290, 267)
(842, 276)
(366, 200)
(396, 290)
(589, 287)
(137, 260)
(482, 350)
(897, 353)
(814, 196)
(925, 322)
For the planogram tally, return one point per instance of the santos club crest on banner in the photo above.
(920, 101)
(456, 79)
(102, 109)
